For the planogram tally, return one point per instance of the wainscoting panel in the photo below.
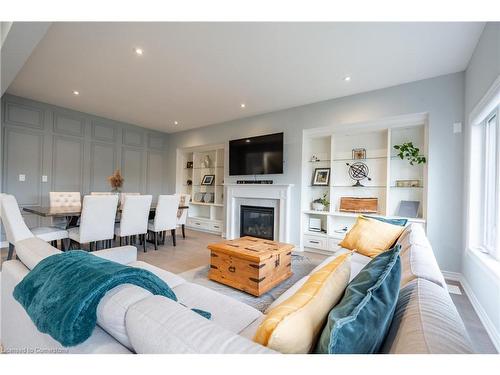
(103, 132)
(132, 138)
(68, 124)
(102, 165)
(67, 164)
(132, 168)
(75, 152)
(23, 156)
(24, 115)
(155, 173)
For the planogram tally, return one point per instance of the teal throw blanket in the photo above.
(62, 292)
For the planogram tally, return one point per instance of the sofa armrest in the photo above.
(122, 254)
(158, 325)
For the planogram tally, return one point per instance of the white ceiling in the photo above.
(199, 73)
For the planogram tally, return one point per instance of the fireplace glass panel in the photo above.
(257, 222)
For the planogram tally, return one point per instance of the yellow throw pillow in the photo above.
(292, 326)
(371, 237)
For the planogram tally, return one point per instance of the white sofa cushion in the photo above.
(227, 312)
(170, 278)
(32, 250)
(417, 257)
(426, 322)
(159, 325)
(113, 308)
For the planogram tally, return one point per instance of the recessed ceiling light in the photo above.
(138, 51)
(76, 93)
(247, 141)
(243, 105)
(347, 78)
(176, 122)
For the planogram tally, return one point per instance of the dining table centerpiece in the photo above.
(116, 181)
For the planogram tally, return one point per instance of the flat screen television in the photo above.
(256, 155)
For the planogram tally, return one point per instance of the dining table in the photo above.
(72, 213)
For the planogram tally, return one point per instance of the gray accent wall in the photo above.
(76, 151)
(442, 98)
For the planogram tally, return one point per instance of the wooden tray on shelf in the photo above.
(359, 205)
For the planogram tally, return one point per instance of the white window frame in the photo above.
(491, 186)
(477, 215)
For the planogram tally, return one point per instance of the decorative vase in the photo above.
(318, 206)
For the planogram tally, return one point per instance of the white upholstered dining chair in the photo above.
(16, 229)
(97, 220)
(182, 214)
(62, 199)
(165, 217)
(134, 218)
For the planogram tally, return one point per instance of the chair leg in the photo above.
(11, 251)
(163, 235)
(173, 237)
(156, 240)
(183, 232)
(120, 241)
(144, 241)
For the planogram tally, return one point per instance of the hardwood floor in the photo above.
(192, 252)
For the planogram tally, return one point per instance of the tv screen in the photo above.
(256, 155)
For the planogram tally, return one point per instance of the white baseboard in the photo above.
(478, 308)
(455, 276)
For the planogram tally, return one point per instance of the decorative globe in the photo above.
(358, 171)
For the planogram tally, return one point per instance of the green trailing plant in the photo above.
(411, 153)
(323, 200)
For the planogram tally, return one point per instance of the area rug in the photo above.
(301, 266)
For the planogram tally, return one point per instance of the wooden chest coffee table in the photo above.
(250, 264)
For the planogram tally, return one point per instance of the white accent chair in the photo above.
(61, 199)
(16, 229)
(182, 214)
(165, 218)
(97, 221)
(134, 218)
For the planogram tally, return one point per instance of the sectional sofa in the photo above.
(131, 320)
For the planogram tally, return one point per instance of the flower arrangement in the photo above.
(116, 180)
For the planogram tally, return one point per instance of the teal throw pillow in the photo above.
(359, 323)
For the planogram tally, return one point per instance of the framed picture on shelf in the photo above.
(208, 179)
(358, 153)
(321, 177)
(189, 165)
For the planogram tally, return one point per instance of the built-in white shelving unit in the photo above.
(206, 211)
(333, 147)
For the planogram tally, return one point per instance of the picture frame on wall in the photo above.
(321, 177)
(358, 153)
(189, 165)
(208, 179)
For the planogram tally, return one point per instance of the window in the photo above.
(488, 191)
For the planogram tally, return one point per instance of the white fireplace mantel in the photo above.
(280, 194)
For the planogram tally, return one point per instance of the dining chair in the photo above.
(165, 218)
(97, 221)
(16, 229)
(183, 213)
(123, 195)
(61, 199)
(134, 218)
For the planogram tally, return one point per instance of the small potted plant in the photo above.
(321, 203)
(409, 152)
